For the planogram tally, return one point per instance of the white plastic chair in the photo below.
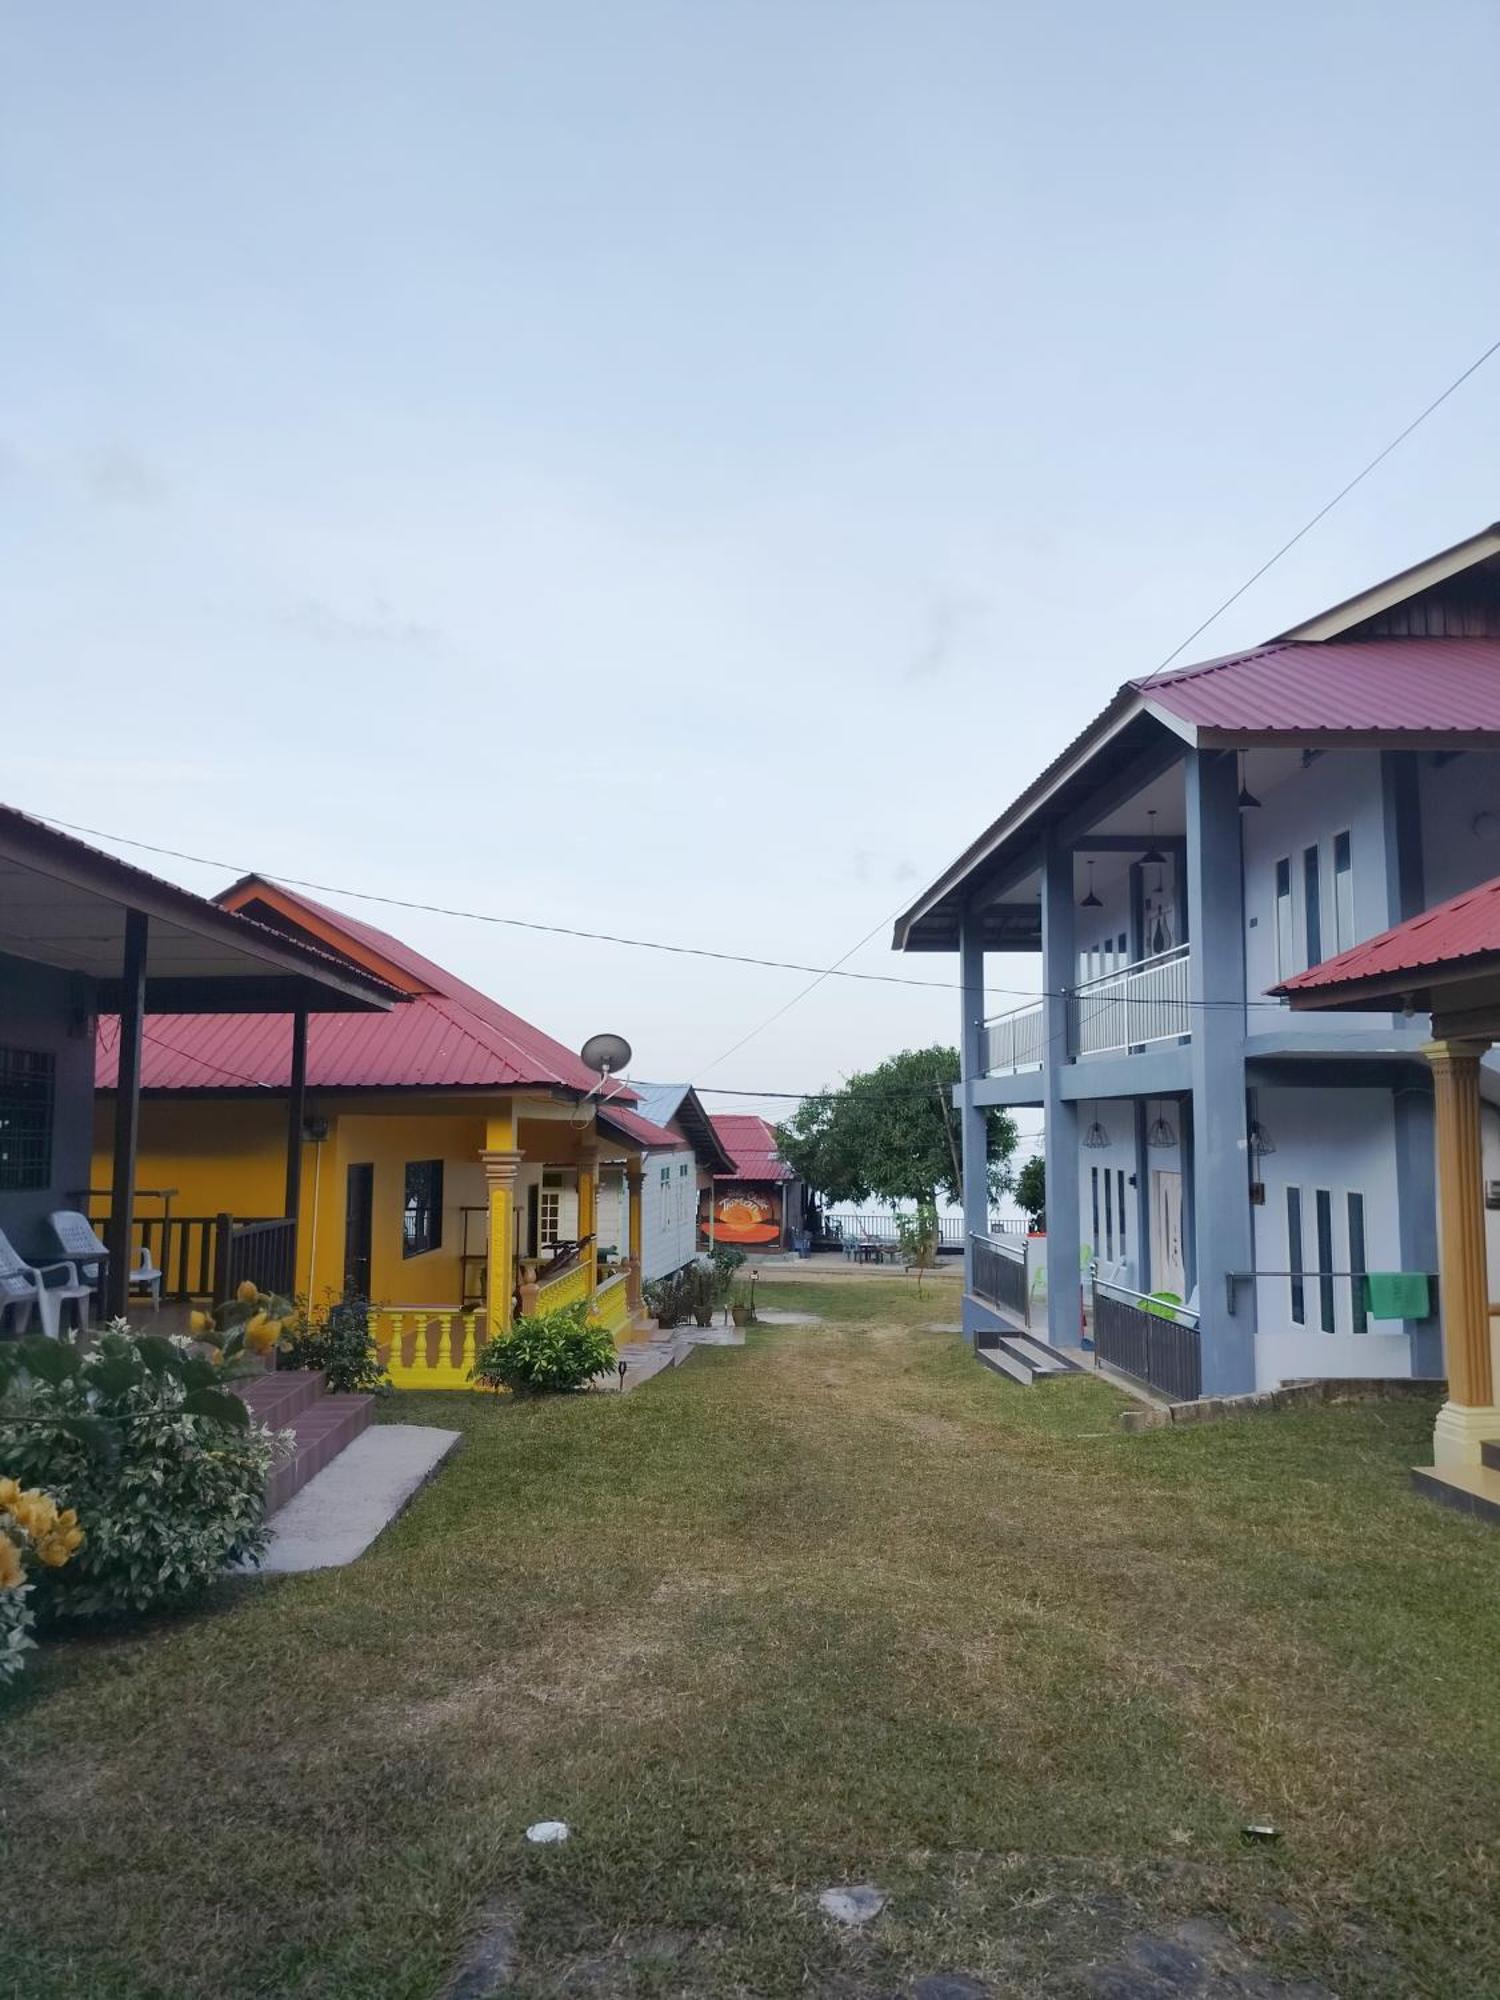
(81, 1244)
(144, 1275)
(24, 1287)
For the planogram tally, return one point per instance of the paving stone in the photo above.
(856, 1905)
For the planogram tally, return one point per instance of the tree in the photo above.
(1031, 1190)
(892, 1133)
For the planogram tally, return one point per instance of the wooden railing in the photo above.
(190, 1252)
(999, 1273)
(264, 1252)
(1155, 1342)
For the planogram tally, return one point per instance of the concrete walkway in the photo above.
(339, 1513)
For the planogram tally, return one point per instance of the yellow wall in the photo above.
(230, 1154)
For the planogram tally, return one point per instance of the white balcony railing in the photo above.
(1017, 1040)
(1141, 1003)
(1128, 1009)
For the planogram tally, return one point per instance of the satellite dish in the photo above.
(606, 1053)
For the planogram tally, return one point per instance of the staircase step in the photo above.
(1036, 1353)
(275, 1398)
(1005, 1363)
(1489, 1454)
(1470, 1489)
(322, 1430)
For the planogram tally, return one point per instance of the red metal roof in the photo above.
(448, 1033)
(751, 1143)
(1467, 926)
(1434, 686)
(654, 1138)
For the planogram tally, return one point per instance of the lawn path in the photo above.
(836, 1607)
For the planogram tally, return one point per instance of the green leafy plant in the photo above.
(703, 1290)
(161, 1462)
(725, 1260)
(1031, 1190)
(918, 1236)
(243, 1330)
(547, 1353)
(34, 1531)
(668, 1300)
(742, 1300)
(338, 1342)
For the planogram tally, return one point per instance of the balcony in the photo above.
(1133, 1008)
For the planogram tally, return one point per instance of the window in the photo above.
(1109, 1213)
(1286, 963)
(1311, 906)
(1323, 1205)
(1094, 1177)
(1120, 1189)
(1294, 1254)
(1343, 893)
(1359, 1317)
(26, 1080)
(549, 1217)
(664, 1221)
(422, 1212)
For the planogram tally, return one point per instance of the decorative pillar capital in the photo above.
(1455, 1053)
(500, 1167)
(635, 1177)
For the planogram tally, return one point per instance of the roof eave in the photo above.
(1394, 590)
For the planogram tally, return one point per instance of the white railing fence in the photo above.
(1017, 1040)
(1142, 1003)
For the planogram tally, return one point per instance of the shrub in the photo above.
(667, 1300)
(253, 1322)
(338, 1341)
(160, 1462)
(725, 1260)
(33, 1529)
(547, 1353)
(701, 1289)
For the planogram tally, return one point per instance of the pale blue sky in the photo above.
(683, 468)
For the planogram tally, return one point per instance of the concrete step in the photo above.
(1044, 1359)
(1489, 1453)
(1473, 1490)
(276, 1397)
(322, 1428)
(1003, 1362)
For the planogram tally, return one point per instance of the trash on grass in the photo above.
(546, 1832)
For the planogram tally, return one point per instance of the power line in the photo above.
(1326, 509)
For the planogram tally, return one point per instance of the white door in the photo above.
(1168, 1271)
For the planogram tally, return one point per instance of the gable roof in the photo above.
(1355, 688)
(447, 1034)
(751, 1144)
(1450, 941)
(679, 1104)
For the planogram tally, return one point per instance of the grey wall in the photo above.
(48, 1010)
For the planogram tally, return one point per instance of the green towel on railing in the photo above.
(1397, 1294)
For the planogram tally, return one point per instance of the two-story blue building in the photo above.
(1214, 830)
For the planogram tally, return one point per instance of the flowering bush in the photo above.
(547, 1352)
(253, 1322)
(31, 1525)
(139, 1438)
(340, 1343)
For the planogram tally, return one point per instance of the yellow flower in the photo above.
(10, 1492)
(11, 1572)
(260, 1334)
(217, 1357)
(256, 1322)
(199, 1322)
(248, 1293)
(37, 1514)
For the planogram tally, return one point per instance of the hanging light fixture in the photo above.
(1090, 901)
(1159, 1132)
(1153, 853)
(1247, 797)
(1096, 1137)
(1260, 1139)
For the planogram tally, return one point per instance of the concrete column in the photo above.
(1416, 1210)
(972, 1124)
(588, 1208)
(635, 1181)
(1469, 1416)
(1059, 976)
(1222, 1229)
(500, 1159)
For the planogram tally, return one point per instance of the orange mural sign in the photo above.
(743, 1216)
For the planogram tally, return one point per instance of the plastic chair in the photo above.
(81, 1243)
(24, 1288)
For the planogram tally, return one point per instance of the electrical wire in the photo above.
(1324, 511)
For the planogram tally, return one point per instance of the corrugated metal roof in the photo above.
(644, 1132)
(1431, 686)
(751, 1143)
(659, 1101)
(1467, 926)
(447, 1034)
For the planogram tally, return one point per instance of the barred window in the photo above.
(26, 1097)
(422, 1215)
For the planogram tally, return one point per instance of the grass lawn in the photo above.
(837, 1607)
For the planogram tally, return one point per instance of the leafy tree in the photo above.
(1031, 1190)
(891, 1134)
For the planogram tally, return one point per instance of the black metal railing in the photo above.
(1160, 1348)
(999, 1274)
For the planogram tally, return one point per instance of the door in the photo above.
(1168, 1269)
(359, 1207)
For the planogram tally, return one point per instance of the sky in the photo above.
(681, 469)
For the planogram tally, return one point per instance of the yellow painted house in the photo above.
(441, 1160)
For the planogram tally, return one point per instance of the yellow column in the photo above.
(500, 1160)
(635, 1178)
(588, 1206)
(1469, 1416)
